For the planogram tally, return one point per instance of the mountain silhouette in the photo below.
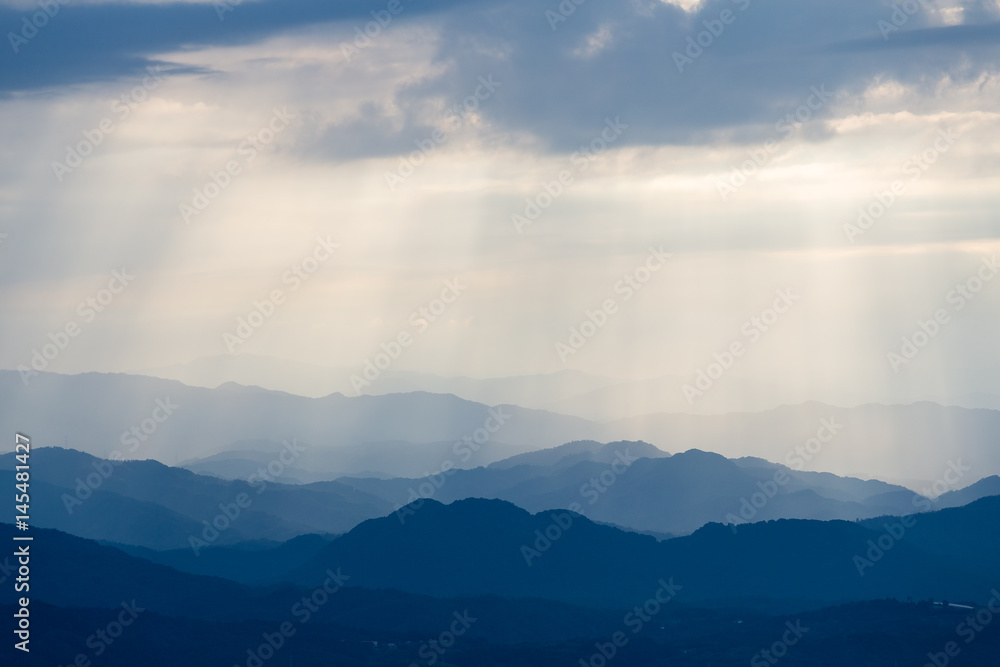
(672, 495)
(477, 546)
(148, 504)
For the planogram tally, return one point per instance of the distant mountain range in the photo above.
(395, 434)
(568, 392)
(148, 504)
(228, 430)
(632, 485)
(989, 486)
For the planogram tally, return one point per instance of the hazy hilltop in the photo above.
(149, 504)
(414, 434)
(570, 392)
(97, 411)
(640, 487)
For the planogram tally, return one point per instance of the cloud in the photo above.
(101, 41)
(604, 59)
(765, 60)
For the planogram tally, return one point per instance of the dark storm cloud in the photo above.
(561, 78)
(758, 67)
(83, 43)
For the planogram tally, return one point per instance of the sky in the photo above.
(767, 192)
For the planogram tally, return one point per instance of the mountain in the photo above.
(482, 547)
(415, 434)
(148, 504)
(252, 563)
(81, 573)
(988, 486)
(618, 484)
(575, 452)
(112, 517)
(541, 391)
(967, 536)
(728, 594)
(919, 441)
(378, 459)
(570, 392)
(163, 419)
(245, 460)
